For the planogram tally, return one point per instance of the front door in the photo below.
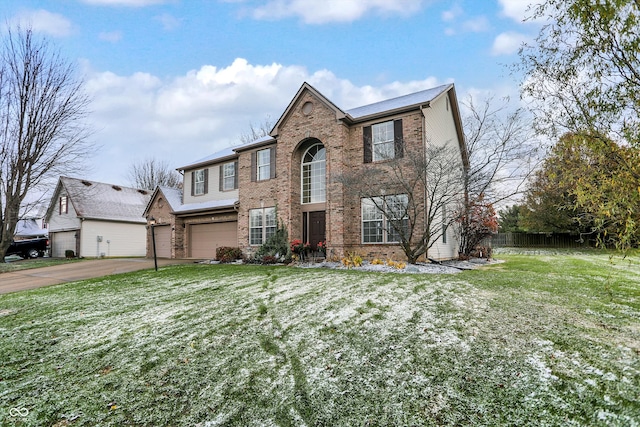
(317, 228)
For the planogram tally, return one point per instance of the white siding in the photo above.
(213, 193)
(65, 221)
(440, 130)
(118, 239)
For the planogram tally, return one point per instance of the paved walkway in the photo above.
(37, 277)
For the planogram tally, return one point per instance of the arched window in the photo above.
(313, 175)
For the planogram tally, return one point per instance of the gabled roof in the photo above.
(359, 114)
(304, 88)
(398, 104)
(30, 227)
(173, 196)
(98, 200)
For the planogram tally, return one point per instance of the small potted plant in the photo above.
(297, 248)
(322, 247)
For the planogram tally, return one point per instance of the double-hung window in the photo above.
(199, 182)
(385, 219)
(263, 158)
(64, 204)
(262, 225)
(383, 141)
(228, 176)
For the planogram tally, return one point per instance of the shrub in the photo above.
(352, 259)
(277, 245)
(228, 254)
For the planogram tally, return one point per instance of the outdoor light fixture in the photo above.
(152, 224)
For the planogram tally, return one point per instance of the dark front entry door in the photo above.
(317, 228)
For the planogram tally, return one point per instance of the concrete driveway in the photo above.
(45, 276)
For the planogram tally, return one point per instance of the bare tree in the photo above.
(150, 173)
(411, 196)
(503, 153)
(42, 132)
(257, 131)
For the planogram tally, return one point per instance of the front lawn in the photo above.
(15, 263)
(538, 340)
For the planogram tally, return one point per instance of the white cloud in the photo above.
(43, 21)
(518, 10)
(476, 25)
(453, 13)
(110, 36)
(131, 3)
(169, 22)
(321, 12)
(508, 43)
(191, 116)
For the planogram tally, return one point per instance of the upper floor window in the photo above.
(228, 176)
(385, 219)
(263, 164)
(64, 205)
(199, 182)
(314, 175)
(383, 141)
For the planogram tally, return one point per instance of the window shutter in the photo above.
(193, 183)
(272, 164)
(206, 180)
(254, 167)
(235, 175)
(367, 143)
(398, 140)
(221, 182)
(60, 205)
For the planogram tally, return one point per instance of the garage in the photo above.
(163, 241)
(63, 241)
(204, 239)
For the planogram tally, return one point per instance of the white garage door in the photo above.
(62, 241)
(163, 241)
(204, 239)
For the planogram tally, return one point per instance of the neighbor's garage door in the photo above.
(163, 241)
(204, 239)
(61, 242)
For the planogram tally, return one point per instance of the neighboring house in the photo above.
(236, 197)
(30, 228)
(94, 219)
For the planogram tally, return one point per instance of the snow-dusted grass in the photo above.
(536, 340)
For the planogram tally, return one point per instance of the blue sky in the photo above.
(180, 79)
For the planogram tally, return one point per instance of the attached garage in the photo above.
(62, 241)
(204, 239)
(163, 241)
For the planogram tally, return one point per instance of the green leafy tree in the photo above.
(584, 188)
(510, 219)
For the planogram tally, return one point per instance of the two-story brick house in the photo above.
(236, 197)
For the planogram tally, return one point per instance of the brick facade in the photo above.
(311, 119)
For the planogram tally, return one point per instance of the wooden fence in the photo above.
(539, 240)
